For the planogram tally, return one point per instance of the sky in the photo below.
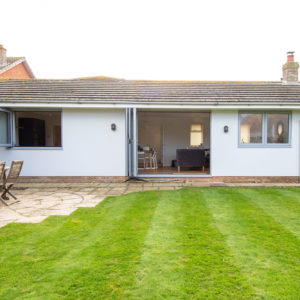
(156, 40)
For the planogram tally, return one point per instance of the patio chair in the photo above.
(2, 173)
(9, 180)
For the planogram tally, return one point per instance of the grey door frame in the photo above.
(131, 134)
(173, 175)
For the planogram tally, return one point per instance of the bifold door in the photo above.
(131, 122)
(6, 132)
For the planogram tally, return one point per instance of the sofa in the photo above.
(190, 158)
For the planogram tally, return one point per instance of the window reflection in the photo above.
(251, 129)
(277, 128)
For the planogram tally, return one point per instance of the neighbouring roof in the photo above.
(109, 90)
(14, 61)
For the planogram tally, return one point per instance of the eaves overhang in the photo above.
(150, 105)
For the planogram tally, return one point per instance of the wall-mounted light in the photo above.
(113, 127)
(226, 128)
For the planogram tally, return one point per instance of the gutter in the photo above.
(153, 105)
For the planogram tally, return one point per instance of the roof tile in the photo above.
(110, 90)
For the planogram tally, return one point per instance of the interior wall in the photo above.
(51, 119)
(168, 131)
(150, 133)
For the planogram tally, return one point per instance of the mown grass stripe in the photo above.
(46, 245)
(111, 259)
(280, 204)
(97, 245)
(158, 275)
(265, 250)
(210, 270)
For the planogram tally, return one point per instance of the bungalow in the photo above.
(110, 129)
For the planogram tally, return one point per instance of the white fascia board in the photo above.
(10, 66)
(155, 105)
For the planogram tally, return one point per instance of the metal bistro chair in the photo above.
(9, 180)
(152, 159)
(141, 158)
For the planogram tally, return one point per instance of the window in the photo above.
(196, 135)
(265, 129)
(251, 128)
(38, 129)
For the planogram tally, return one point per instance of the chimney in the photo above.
(3, 60)
(290, 70)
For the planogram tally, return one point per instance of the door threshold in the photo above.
(173, 176)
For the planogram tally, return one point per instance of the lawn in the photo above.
(194, 243)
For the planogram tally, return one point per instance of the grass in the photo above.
(194, 243)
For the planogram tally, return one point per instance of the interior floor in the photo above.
(174, 171)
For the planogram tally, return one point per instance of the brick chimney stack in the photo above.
(290, 70)
(3, 59)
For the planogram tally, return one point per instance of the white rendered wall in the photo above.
(90, 147)
(228, 159)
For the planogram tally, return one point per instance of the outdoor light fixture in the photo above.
(113, 127)
(226, 128)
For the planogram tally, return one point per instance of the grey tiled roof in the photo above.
(109, 90)
(12, 59)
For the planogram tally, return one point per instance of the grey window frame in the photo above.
(264, 143)
(9, 127)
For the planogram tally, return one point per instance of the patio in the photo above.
(40, 200)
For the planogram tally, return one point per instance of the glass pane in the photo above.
(196, 127)
(196, 139)
(278, 128)
(251, 128)
(38, 129)
(4, 135)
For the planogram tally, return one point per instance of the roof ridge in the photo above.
(15, 57)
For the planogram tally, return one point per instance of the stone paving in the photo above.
(40, 200)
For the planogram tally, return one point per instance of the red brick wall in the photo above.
(17, 72)
(218, 179)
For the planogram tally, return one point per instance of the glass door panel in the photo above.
(5, 128)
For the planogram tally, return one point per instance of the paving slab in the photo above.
(166, 188)
(36, 219)
(150, 188)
